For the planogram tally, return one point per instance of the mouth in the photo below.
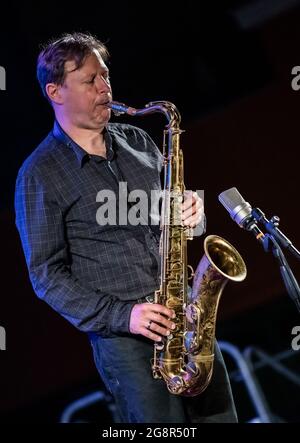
(106, 103)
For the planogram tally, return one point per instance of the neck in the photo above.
(91, 140)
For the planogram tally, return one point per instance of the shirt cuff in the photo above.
(121, 317)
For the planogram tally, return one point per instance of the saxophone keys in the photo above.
(192, 369)
(191, 269)
(159, 346)
(189, 233)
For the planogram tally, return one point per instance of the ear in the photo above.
(54, 93)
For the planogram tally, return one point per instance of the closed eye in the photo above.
(91, 80)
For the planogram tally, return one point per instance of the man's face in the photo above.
(85, 92)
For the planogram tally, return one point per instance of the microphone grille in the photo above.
(230, 199)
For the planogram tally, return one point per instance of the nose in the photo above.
(102, 84)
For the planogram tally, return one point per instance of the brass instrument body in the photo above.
(185, 358)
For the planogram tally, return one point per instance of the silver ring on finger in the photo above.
(149, 325)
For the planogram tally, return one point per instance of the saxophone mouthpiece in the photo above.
(120, 108)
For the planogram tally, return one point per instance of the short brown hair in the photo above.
(76, 46)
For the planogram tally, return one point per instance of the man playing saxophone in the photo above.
(102, 277)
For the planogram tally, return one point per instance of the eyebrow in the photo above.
(94, 73)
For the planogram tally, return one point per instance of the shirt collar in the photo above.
(80, 153)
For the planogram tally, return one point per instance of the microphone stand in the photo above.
(271, 227)
(269, 243)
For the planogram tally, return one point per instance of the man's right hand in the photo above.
(151, 320)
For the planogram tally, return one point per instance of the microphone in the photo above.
(240, 211)
(246, 217)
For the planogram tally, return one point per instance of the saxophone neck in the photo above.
(164, 107)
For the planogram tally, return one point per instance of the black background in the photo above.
(227, 66)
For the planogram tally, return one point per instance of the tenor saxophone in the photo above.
(185, 358)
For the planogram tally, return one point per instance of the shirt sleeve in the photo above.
(40, 222)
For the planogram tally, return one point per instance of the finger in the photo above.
(195, 218)
(196, 203)
(192, 221)
(155, 328)
(191, 210)
(151, 335)
(162, 320)
(188, 201)
(161, 309)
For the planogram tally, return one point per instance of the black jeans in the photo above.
(125, 368)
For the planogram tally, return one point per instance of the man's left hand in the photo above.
(192, 209)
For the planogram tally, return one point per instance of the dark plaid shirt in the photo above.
(91, 274)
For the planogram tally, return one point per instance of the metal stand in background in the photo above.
(246, 373)
(79, 405)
